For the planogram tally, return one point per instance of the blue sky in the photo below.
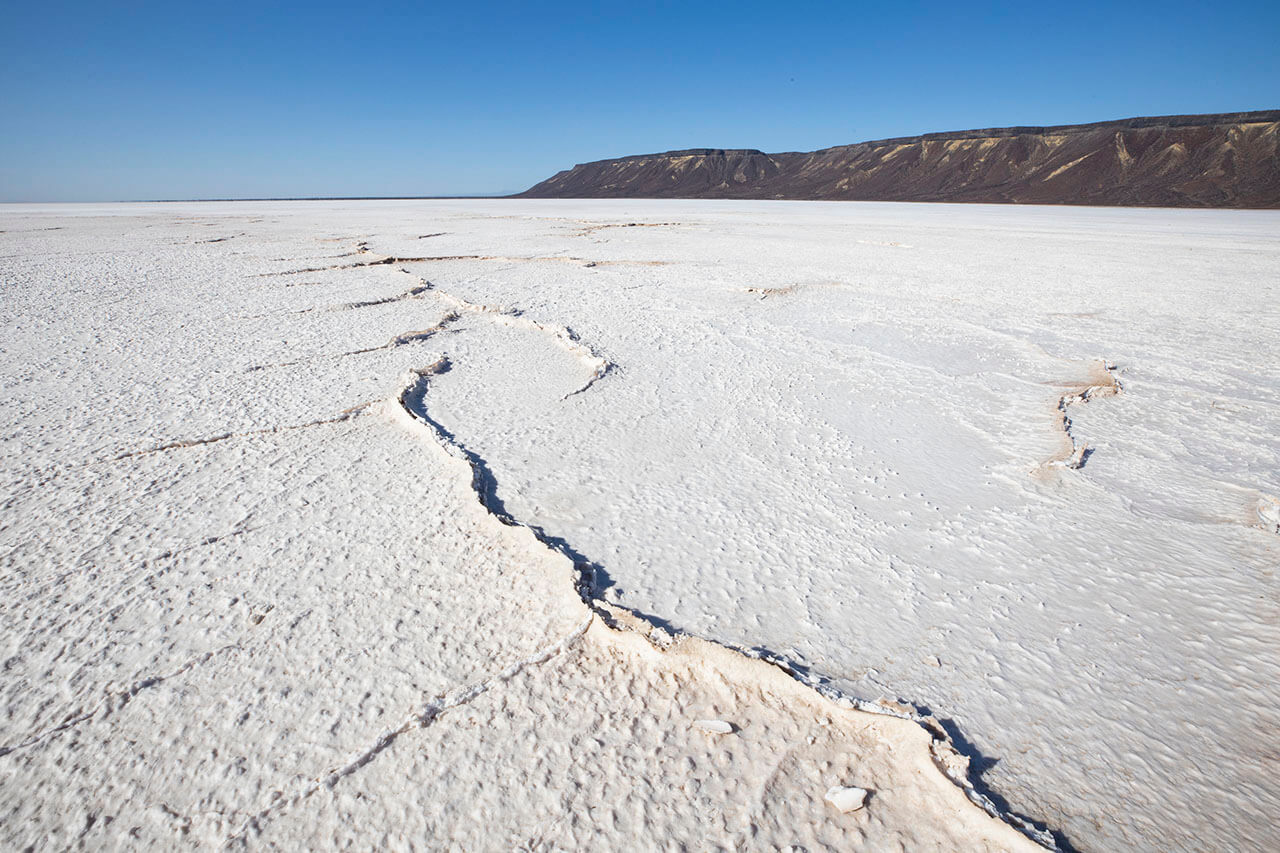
(140, 100)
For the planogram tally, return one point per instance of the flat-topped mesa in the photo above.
(1212, 160)
(692, 173)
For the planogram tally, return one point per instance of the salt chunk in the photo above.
(715, 727)
(1269, 513)
(847, 799)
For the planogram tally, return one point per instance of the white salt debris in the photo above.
(953, 763)
(1269, 513)
(715, 727)
(846, 799)
(660, 637)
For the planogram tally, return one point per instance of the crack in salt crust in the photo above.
(344, 415)
(418, 719)
(620, 620)
(1102, 382)
(115, 699)
(390, 261)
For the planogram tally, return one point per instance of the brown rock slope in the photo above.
(1218, 160)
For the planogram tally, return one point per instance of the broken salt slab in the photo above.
(846, 799)
(715, 727)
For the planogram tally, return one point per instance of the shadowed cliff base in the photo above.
(1215, 160)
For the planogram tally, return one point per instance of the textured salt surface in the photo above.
(880, 442)
(251, 598)
(910, 471)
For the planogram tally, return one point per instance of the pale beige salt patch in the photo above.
(592, 750)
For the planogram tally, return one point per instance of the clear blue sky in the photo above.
(102, 100)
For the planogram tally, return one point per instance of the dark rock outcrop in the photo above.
(1219, 160)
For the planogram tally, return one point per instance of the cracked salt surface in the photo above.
(862, 479)
(237, 601)
(855, 478)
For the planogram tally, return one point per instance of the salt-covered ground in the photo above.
(293, 496)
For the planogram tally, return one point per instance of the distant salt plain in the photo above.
(272, 474)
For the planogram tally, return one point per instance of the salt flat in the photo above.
(294, 494)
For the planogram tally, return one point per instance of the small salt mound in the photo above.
(1269, 513)
(715, 727)
(846, 799)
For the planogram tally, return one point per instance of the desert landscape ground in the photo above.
(541, 524)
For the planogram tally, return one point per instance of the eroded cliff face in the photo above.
(1221, 160)
(695, 173)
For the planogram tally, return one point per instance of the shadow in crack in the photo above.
(979, 765)
(592, 577)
